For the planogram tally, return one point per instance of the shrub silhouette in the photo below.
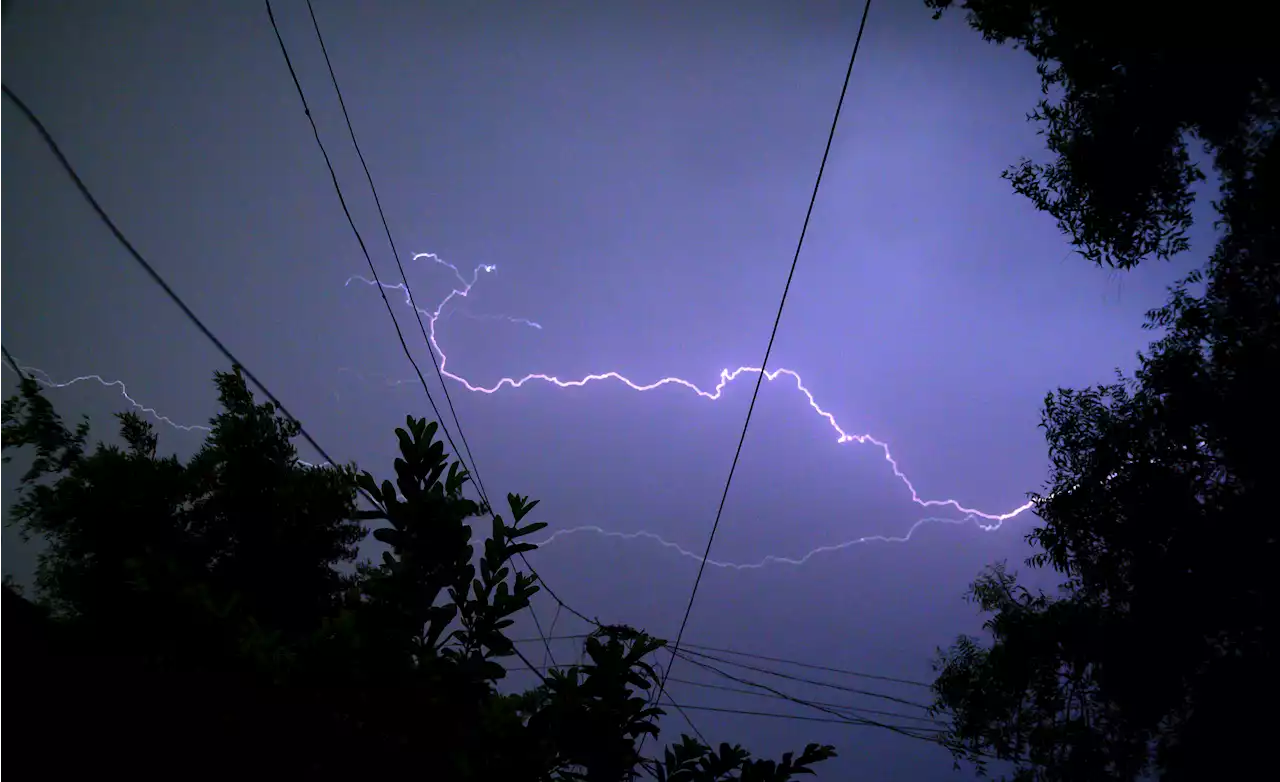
(212, 617)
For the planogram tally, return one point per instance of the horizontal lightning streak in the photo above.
(43, 378)
(770, 559)
(993, 520)
(983, 520)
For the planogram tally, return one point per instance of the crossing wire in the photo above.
(158, 280)
(333, 175)
(474, 468)
(395, 253)
(752, 655)
(764, 364)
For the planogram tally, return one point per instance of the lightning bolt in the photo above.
(468, 314)
(770, 559)
(43, 378)
(982, 519)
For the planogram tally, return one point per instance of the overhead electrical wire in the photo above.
(802, 701)
(395, 253)
(675, 650)
(158, 280)
(764, 364)
(333, 175)
(843, 707)
(840, 706)
(790, 677)
(472, 468)
(829, 669)
(681, 710)
(787, 661)
(800, 717)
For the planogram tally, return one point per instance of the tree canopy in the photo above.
(215, 614)
(1126, 91)
(1157, 653)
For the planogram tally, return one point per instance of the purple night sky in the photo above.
(638, 174)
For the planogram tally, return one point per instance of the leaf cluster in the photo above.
(241, 567)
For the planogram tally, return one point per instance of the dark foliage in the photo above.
(211, 618)
(1158, 653)
(1126, 87)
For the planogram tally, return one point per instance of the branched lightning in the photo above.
(982, 519)
(770, 559)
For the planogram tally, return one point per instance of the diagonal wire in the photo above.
(811, 666)
(199, 324)
(683, 713)
(801, 717)
(801, 679)
(343, 201)
(475, 468)
(681, 709)
(840, 706)
(546, 639)
(843, 707)
(811, 704)
(752, 655)
(769, 348)
(158, 280)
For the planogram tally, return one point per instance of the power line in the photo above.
(842, 710)
(803, 702)
(546, 638)
(343, 201)
(812, 666)
(396, 254)
(213, 338)
(840, 706)
(809, 719)
(408, 289)
(177, 300)
(830, 685)
(687, 718)
(537, 670)
(157, 279)
(769, 348)
(801, 679)
(474, 467)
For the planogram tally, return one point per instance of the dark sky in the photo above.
(638, 174)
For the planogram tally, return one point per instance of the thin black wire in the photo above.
(687, 718)
(769, 348)
(681, 709)
(475, 468)
(158, 280)
(844, 671)
(829, 669)
(546, 638)
(529, 665)
(811, 704)
(815, 682)
(217, 343)
(16, 368)
(840, 706)
(807, 719)
(343, 201)
(843, 707)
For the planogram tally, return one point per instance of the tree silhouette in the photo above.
(212, 617)
(1125, 92)
(1157, 653)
